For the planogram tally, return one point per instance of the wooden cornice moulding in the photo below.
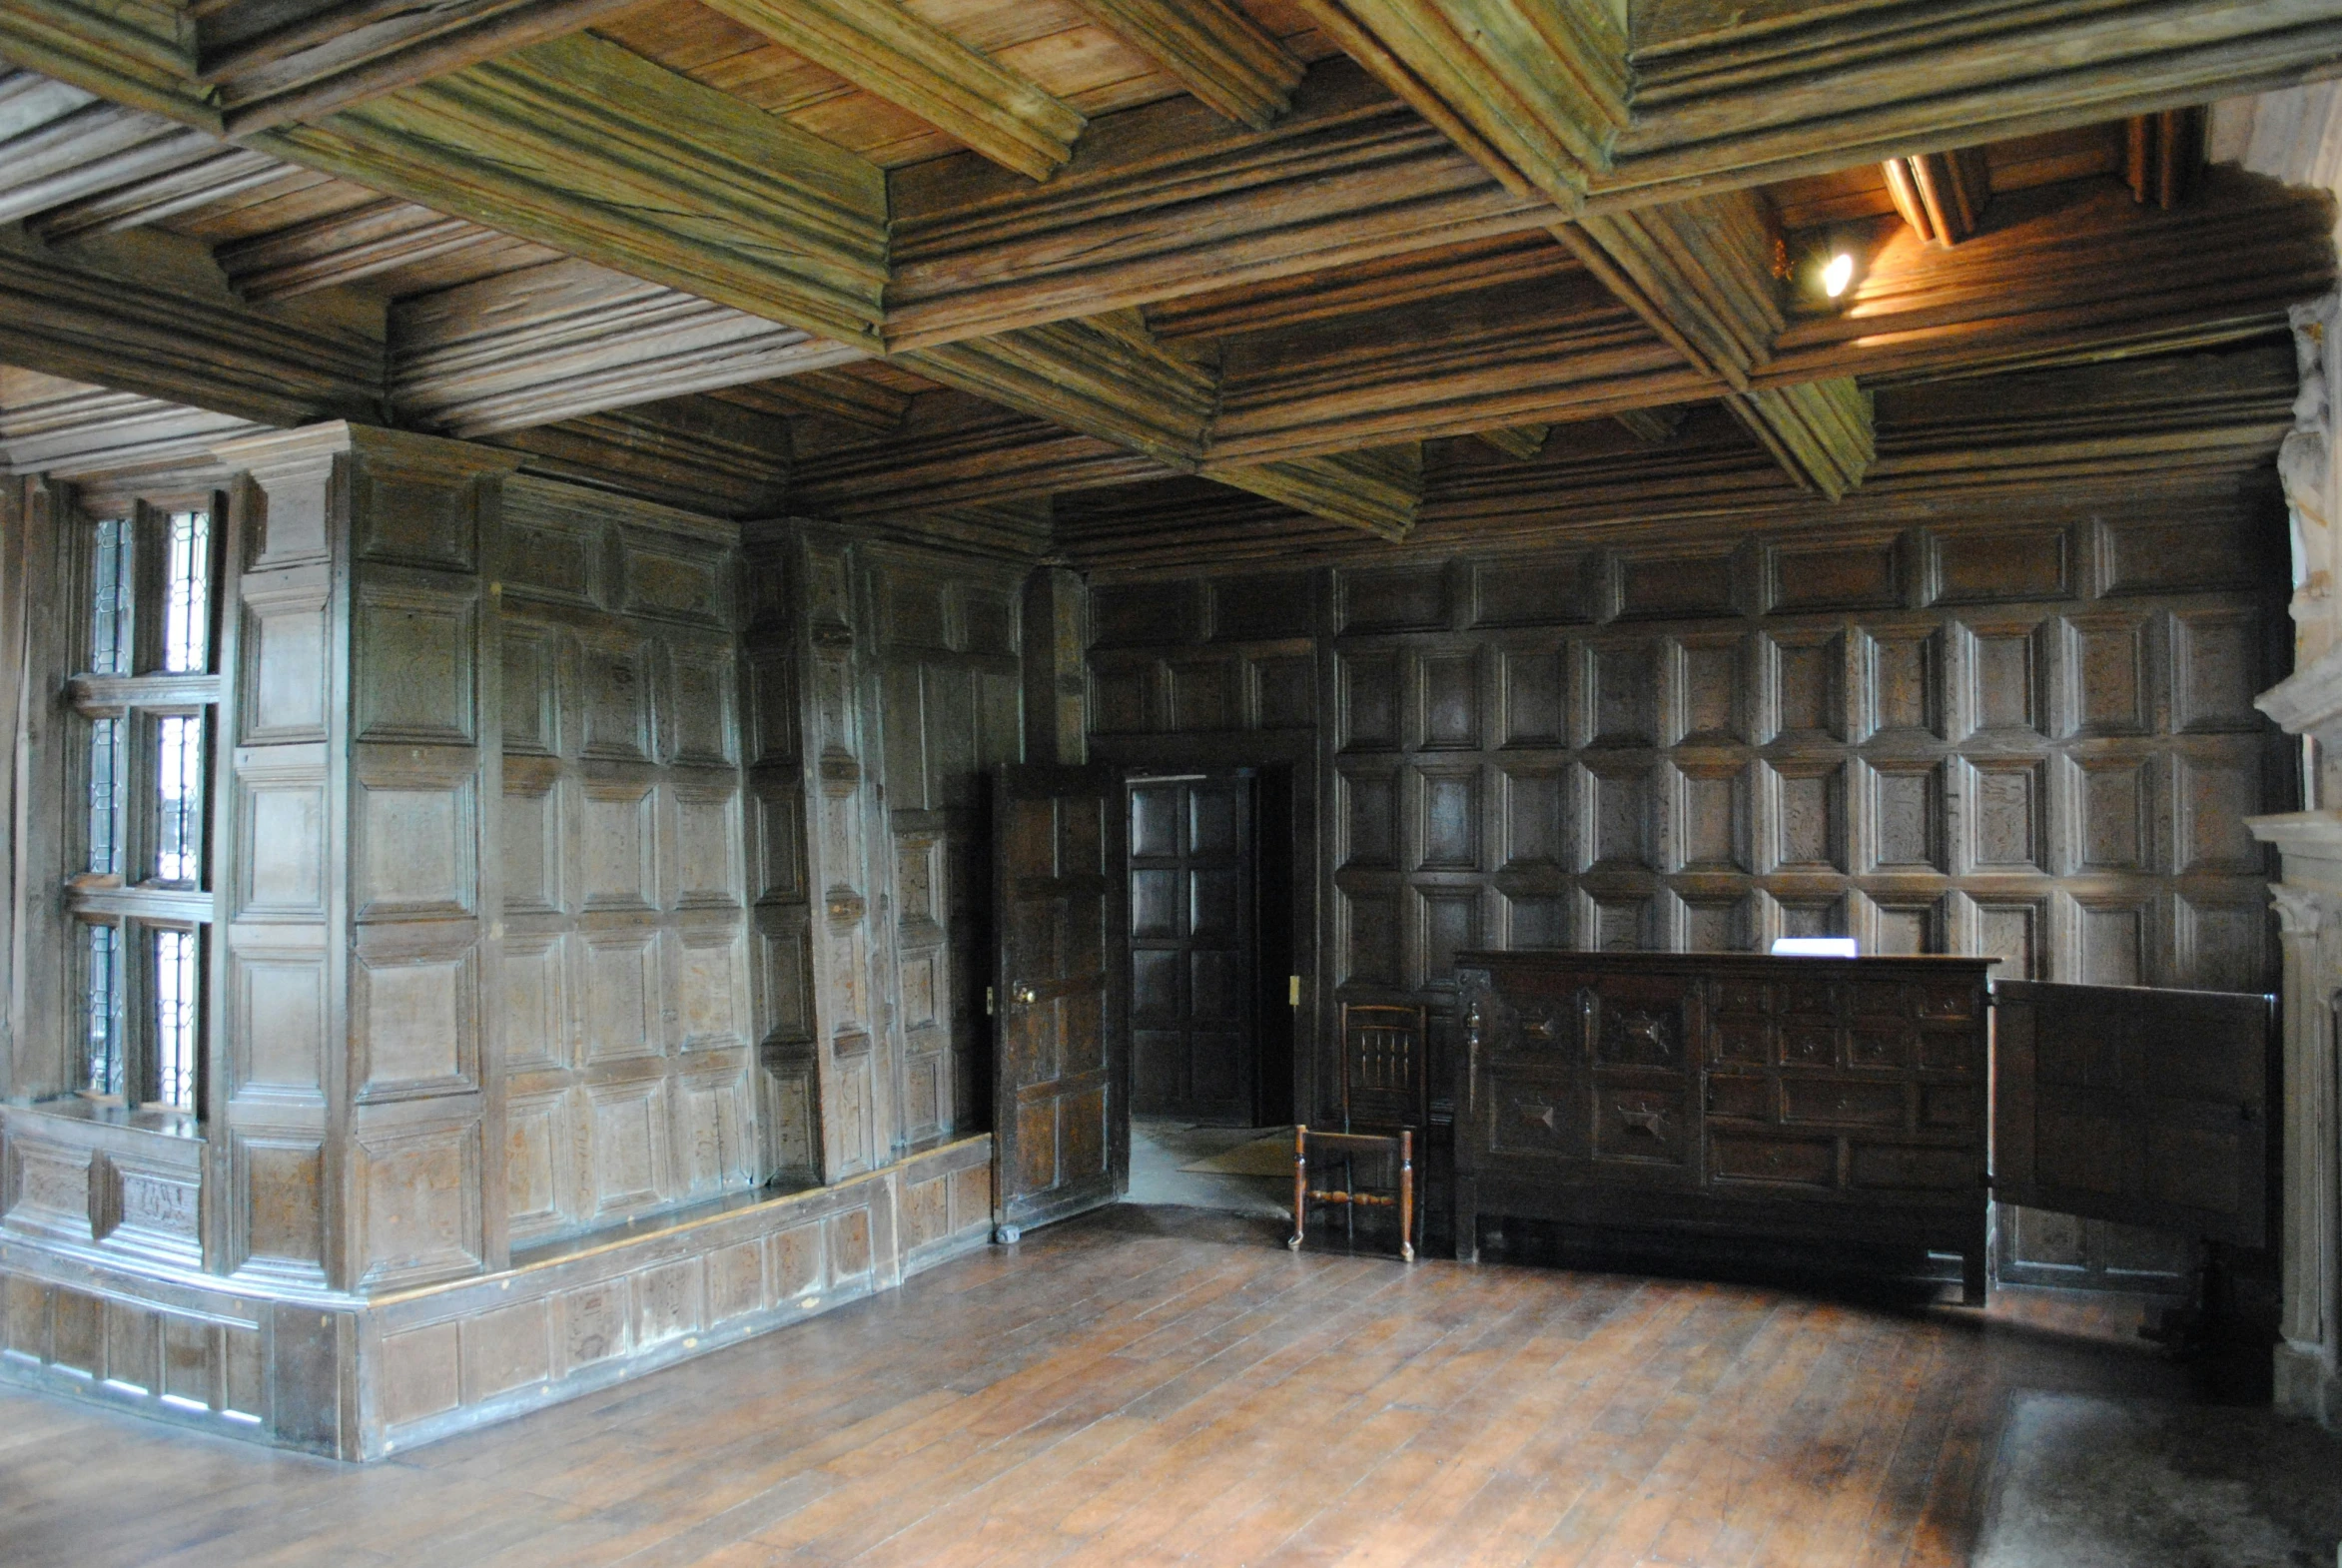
(583, 147)
(1942, 196)
(63, 320)
(1169, 200)
(1379, 490)
(344, 54)
(341, 248)
(570, 339)
(693, 453)
(849, 399)
(1704, 273)
(1822, 432)
(1521, 443)
(137, 53)
(886, 50)
(2059, 275)
(226, 170)
(1536, 91)
(1007, 456)
(92, 149)
(1103, 376)
(1218, 52)
(1529, 354)
(68, 428)
(1415, 277)
(1791, 94)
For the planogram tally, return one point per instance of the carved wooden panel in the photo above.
(2029, 739)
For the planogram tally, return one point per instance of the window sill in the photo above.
(176, 1125)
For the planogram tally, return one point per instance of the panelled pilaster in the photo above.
(851, 1020)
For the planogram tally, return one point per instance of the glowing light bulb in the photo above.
(1837, 274)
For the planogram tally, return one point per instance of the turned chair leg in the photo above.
(1300, 1186)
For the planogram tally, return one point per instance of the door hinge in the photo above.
(988, 1000)
(1292, 991)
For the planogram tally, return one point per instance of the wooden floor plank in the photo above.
(1146, 1387)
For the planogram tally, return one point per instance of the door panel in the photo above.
(1193, 958)
(2145, 1107)
(1062, 1140)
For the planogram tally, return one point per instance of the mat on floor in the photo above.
(2084, 1482)
(1270, 1156)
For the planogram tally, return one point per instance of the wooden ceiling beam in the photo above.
(1522, 441)
(693, 453)
(2060, 277)
(1942, 196)
(344, 248)
(88, 149)
(1377, 490)
(1106, 378)
(1822, 432)
(585, 147)
(1171, 200)
(890, 53)
(1536, 91)
(1744, 100)
(1703, 273)
(568, 339)
(139, 334)
(342, 55)
(1495, 361)
(956, 450)
(1415, 278)
(223, 172)
(825, 394)
(1216, 51)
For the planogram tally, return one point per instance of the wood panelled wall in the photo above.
(2018, 725)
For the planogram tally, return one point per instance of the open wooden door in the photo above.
(1061, 1091)
(2146, 1107)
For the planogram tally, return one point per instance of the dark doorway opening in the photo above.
(1211, 1016)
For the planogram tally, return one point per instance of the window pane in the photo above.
(179, 798)
(105, 772)
(187, 594)
(175, 1018)
(102, 1010)
(110, 599)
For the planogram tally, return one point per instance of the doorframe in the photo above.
(1296, 752)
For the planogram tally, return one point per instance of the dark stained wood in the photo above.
(1337, 1157)
(1193, 1052)
(1061, 994)
(2145, 1108)
(1741, 1095)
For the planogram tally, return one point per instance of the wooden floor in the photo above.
(1156, 1386)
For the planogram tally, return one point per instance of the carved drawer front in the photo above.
(1739, 995)
(1823, 1102)
(1882, 1167)
(1743, 1098)
(1950, 1107)
(1647, 1024)
(1534, 1114)
(1743, 1040)
(1937, 1002)
(1808, 998)
(1878, 1046)
(1735, 1157)
(1960, 1052)
(1875, 999)
(1805, 1042)
(1641, 1126)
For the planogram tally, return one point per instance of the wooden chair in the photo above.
(1384, 1103)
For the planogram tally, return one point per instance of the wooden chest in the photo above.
(1725, 1094)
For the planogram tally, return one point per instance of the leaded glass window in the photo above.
(145, 698)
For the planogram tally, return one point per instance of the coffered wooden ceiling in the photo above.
(951, 266)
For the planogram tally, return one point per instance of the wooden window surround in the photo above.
(143, 693)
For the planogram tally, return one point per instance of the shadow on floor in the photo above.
(1160, 1148)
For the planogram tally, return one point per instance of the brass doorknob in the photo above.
(1026, 995)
